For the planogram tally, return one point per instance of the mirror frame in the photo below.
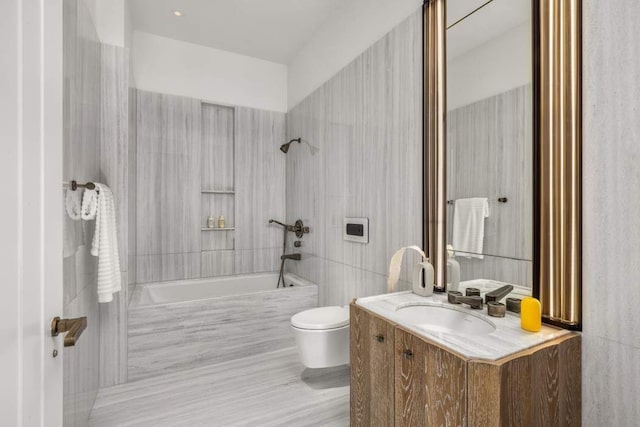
(435, 139)
(557, 154)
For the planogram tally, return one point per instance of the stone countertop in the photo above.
(507, 338)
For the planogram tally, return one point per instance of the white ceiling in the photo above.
(274, 30)
(494, 18)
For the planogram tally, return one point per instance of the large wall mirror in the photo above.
(502, 148)
(489, 141)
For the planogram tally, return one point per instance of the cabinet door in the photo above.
(372, 369)
(431, 384)
(410, 388)
(540, 386)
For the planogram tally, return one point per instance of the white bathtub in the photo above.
(199, 289)
(191, 323)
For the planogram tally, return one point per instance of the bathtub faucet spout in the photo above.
(295, 257)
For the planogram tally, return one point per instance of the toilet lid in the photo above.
(321, 318)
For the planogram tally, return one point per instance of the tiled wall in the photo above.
(367, 123)
(185, 146)
(81, 162)
(611, 227)
(114, 159)
(260, 189)
(132, 193)
(95, 149)
(489, 144)
(168, 187)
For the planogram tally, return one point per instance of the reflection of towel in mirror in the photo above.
(468, 226)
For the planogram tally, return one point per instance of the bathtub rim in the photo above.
(138, 287)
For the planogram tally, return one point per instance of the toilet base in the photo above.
(322, 348)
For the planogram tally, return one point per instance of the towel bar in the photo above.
(89, 185)
(500, 199)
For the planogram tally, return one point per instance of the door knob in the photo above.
(72, 327)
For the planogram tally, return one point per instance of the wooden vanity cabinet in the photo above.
(399, 378)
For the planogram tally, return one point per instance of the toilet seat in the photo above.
(321, 318)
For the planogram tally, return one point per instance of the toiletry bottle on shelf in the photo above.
(453, 270)
(211, 221)
(221, 221)
(530, 314)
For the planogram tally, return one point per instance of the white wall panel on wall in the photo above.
(178, 68)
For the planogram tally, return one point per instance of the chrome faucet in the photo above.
(295, 257)
(474, 302)
(497, 294)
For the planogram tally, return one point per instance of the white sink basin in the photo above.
(437, 318)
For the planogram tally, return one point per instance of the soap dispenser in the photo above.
(211, 222)
(221, 221)
(423, 284)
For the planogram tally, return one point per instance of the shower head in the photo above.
(285, 147)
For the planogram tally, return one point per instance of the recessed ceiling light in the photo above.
(177, 13)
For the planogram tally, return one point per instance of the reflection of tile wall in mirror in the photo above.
(489, 148)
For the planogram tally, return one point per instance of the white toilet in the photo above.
(322, 336)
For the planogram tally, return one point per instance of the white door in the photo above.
(30, 211)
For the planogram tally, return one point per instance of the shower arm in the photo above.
(287, 227)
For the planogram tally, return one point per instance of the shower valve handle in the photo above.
(300, 229)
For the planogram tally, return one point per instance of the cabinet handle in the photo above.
(408, 354)
(380, 338)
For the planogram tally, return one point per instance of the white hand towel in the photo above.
(468, 226)
(105, 243)
(89, 208)
(72, 204)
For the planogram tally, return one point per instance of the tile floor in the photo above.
(270, 389)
